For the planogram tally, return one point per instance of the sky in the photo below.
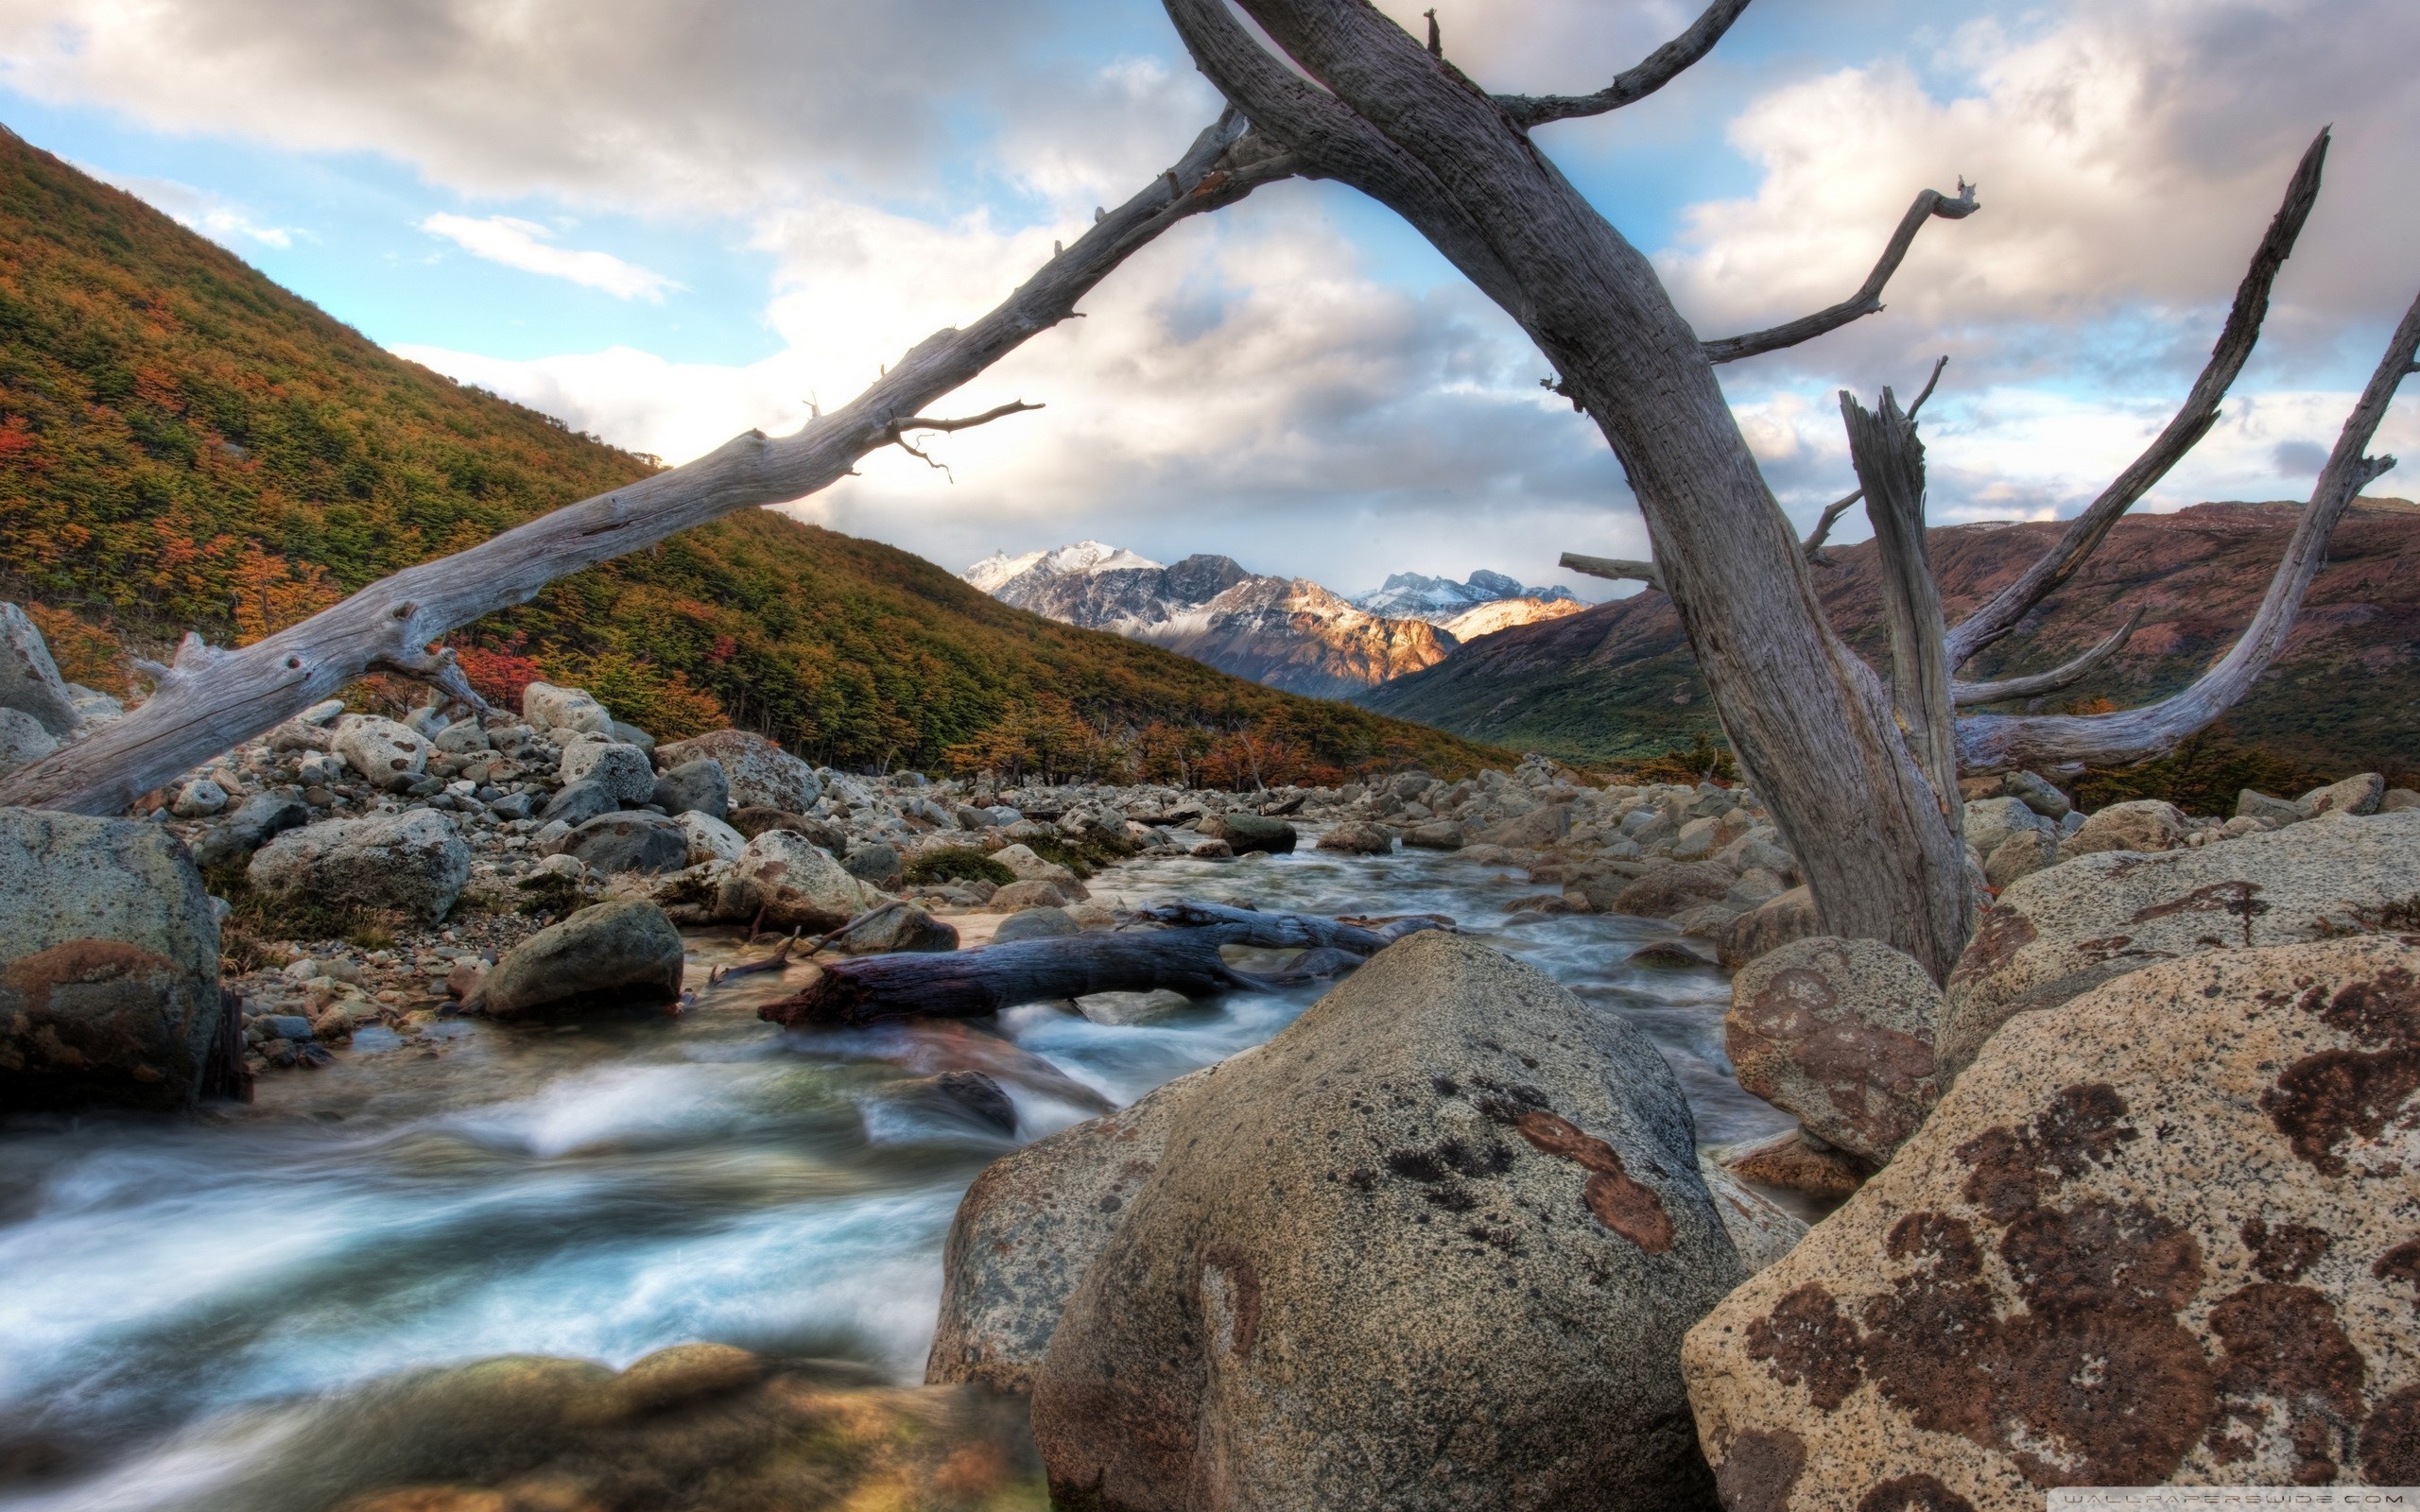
(668, 222)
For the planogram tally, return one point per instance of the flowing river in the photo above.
(605, 1190)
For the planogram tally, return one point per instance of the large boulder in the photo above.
(1434, 1245)
(631, 841)
(612, 955)
(564, 711)
(22, 740)
(2163, 1235)
(876, 864)
(693, 787)
(1359, 838)
(2354, 794)
(1029, 867)
(1769, 926)
(1674, 888)
(1991, 821)
(2067, 930)
(1245, 831)
(792, 882)
(1047, 922)
(259, 820)
(386, 753)
(2145, 824)
(708, 839)
(1030, 1227)
(1838, 1032)
(761, 774)
(1438, 834)
(902, 929)
(108, 965)
(411, 863)
(578, 803)
(29, 680)
(1534, 831)
(623, 771)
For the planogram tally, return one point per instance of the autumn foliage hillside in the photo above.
(185, 445)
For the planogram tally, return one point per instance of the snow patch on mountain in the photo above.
(1085, 558)
(1417, 596)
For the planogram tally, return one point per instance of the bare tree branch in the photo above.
(1966, 695)
(1992, 742)
(2192, 422)
(1868, 299)
(926, 422)
(211, 700)
(1889, 461)
(1620, 569)
(1938, 363)
(1813, 544)
(1654, 70)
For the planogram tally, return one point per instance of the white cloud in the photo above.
(526, 245)
(221, 220)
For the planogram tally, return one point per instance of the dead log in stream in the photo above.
(1182, 954)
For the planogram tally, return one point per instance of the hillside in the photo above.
(184, 444)
(1617, 680)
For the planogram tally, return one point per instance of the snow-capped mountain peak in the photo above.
(1438, 599)
(1084, 559)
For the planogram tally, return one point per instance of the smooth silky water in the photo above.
(605, 1190)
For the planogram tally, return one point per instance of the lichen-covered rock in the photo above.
(1838, 1032)
(2163, 1235)
(695, 788)
(1991, 821)
(386, 753)
(1437, 834)
(760, 774)
(623, 771)
(1431, 1246)
(1673, 889)
(108, 965)
(1245, 831)
(1047, 922)
(2019, 854)
(2145, 824)
(792, 883)
(612, 955)
(411, 863)
(22, 740)
(564, 711)
(2065, 930)
(1030, 1227)
(2354, 794)
(578, 803)
(1029, 867)
(1793, 1162)
(901, 930)
(29, 680)
(634, 840)
(708, 839)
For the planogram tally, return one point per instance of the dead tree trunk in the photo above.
(1182, 957)
(1861, 778)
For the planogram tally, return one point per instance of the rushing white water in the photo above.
(605, 1190)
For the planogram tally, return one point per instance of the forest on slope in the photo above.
(184, 445)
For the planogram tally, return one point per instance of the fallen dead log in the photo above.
(1181, 953)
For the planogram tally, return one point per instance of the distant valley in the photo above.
(1285, 632)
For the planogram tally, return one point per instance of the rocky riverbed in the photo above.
(501, 1195)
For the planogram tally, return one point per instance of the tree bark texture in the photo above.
(1808, 721)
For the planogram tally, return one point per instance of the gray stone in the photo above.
(1840, 1033)
(260, 819)
(2152, 1238)
(2254, 804)
(634, 840)
(109, 964)
(1438, 834)
(1245, 831)
(955, 1096)
(710, 839)
(93, 709)
(1028, 866)
(198, 800)
(902, 929)
(1448, 1206)
(631, 736)
(1760, 1229)
(876, 864)
(1989, 822)
(461, 737)
(2021, 854)
(695, 788)
(1045, 922)
(795, 884)
(564, 711)
(622, 771)
(1359, 838)
(386, 753)
(2398, 799)
(22, 740)
(2037, 794)
(760, 774)
(2146, 824)
(1120, 1009)
(612, 955)
(1030, 1227)
(1670, 890)
(413, 863)
(29, 680)
(2064, 931)
(513, 805)
(1767, 927)
(578, 803)
(2354, 794)
(1018, 896)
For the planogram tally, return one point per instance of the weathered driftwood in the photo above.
(212, 698)
(1183, 956)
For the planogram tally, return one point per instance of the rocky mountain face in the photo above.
(1486, 603)
(1287, 632)
(1616, 681)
